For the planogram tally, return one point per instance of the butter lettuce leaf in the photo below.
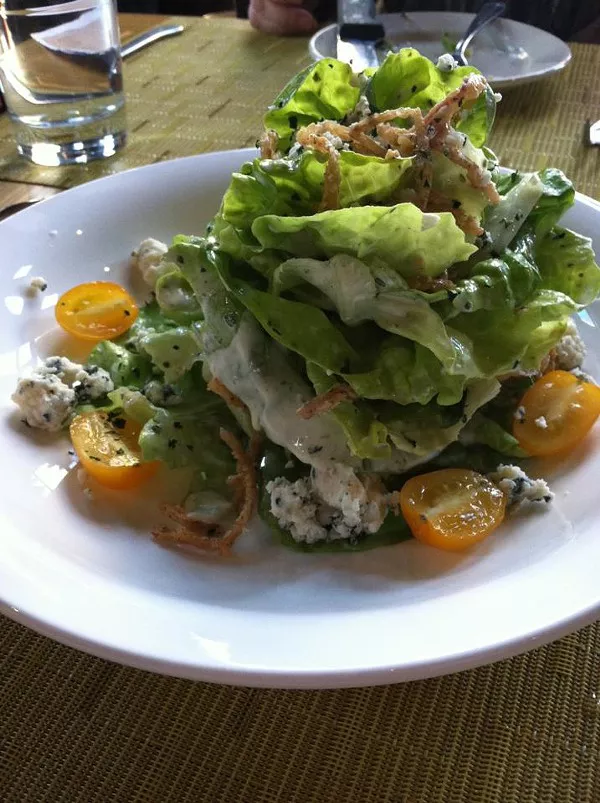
(567, 264)
(326, 90)
(401, 237)
(407, 78)
(367, 437)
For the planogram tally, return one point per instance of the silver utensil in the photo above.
(149, 37)
(12, 209)
(359, 34)
(593, 132)
(486, 14)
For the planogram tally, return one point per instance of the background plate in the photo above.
(506, 52)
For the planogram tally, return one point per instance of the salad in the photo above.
(368, 340)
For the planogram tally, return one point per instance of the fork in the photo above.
(486, 14)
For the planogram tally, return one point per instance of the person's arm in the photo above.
(590, 34)
(282, 17)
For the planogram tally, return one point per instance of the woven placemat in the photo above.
(76, 729)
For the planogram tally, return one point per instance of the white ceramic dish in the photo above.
(506, 52)
(86, 572)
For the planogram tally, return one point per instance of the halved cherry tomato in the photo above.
(556, 413)
(453, 508)
(96, 311)
(107, 447)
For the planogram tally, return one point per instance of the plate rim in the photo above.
(274, 677)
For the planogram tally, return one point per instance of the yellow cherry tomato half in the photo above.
(452, 509)
(96, 311)
(555, 414)
(107, 448)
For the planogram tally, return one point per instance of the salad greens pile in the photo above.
(417, 295)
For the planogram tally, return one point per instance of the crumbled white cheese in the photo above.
(570, 350)
(360, 111)
(45, 402)
(521, 491)
(497, 97)
(446, 63)
(333, 140)
(541, 422)
(37, 284)
(88, 382)
(519, 414)
(162, 395)
(455, 139)
(332, 504)
(48, 397)
(147, 259)
(485, 178)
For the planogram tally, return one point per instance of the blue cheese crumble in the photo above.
(570, 351)
(147, 259)
(521, 490)
(48, 397)
(37, 284)
(329, 505)
(446, 63)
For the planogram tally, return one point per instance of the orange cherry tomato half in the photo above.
(556, 413)
(452, 509)
(107, 448)
(96, 311)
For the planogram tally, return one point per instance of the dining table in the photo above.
(79, 729)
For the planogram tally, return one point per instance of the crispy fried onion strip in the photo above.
(438, 126)
(331, 183)
(438, 202)
(231, 400)
(432, 132)
(325, 402)
(269, 145)
(211, 536)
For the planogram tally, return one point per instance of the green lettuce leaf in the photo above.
(486, 431)
(359, 293)
(298, 326)
(407, 78)
(126, 367)
(176, 299)
(507, 338)
(427, 429)
(493, 284)
(503, 221)
(326, 90)
(173, 352)
(187, 436)
(367, 437)
(558, 195)
(450, 181)
(294, 186)
(406, 373)
(402, 237)
(198, 260)
(567, 264)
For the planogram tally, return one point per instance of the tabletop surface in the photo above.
(78, 729)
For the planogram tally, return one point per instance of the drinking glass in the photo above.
(60, 73)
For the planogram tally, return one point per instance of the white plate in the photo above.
(88, 574)
(506, 52)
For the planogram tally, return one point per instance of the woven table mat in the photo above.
(76, 729)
